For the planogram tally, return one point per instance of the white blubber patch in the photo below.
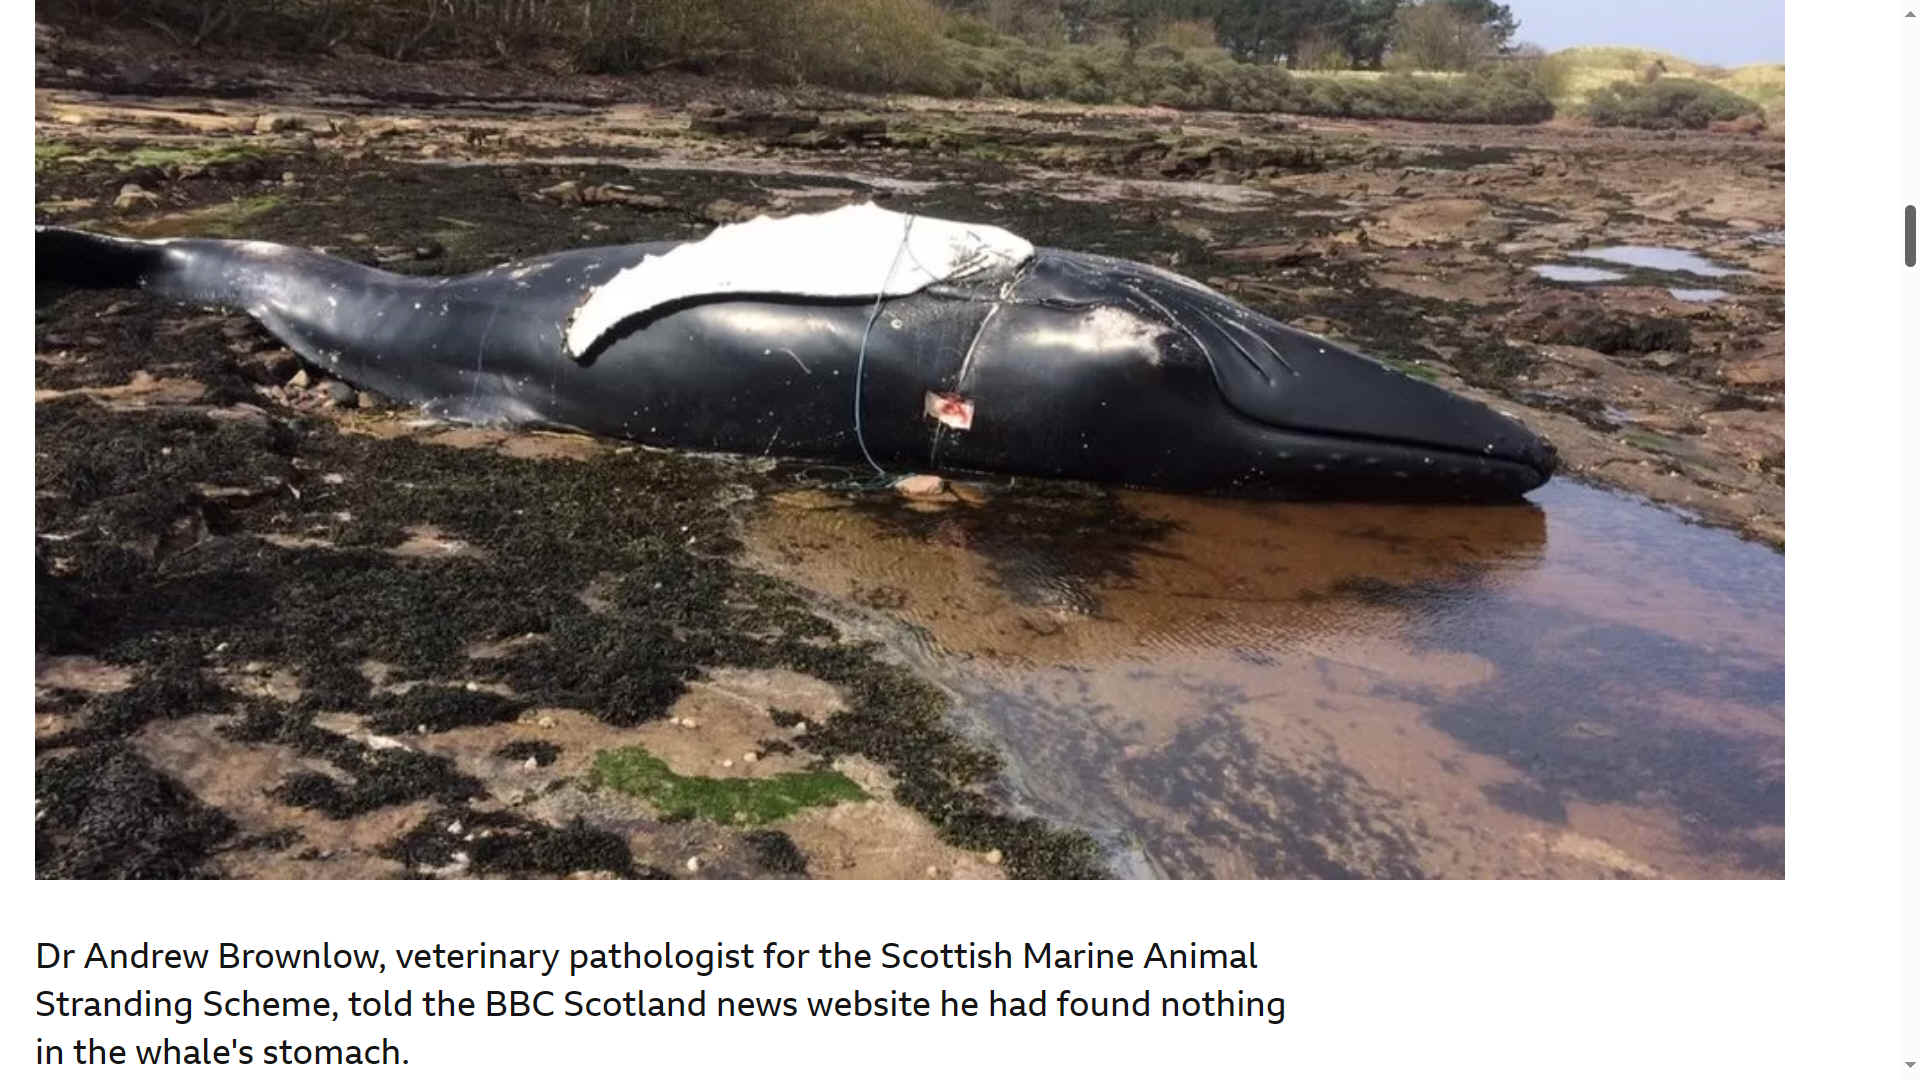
(859, 250)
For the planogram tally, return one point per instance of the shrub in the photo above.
(971, 30)
(1532, 66)
(1666, 103)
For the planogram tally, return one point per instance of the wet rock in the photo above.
(753, 124)
(863, 129)
(1431, 221)
(269, 368)
(837, 134)
(920, 486)
(1603, 331)
(726, 212)
(1757, 364)
(132, 196)
(339, 394)
(623, 195)
(1291, 253)
(281, 364)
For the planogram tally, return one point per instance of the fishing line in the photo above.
(860, 365)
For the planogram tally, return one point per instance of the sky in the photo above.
(1724, 32)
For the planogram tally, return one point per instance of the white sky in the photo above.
(1726, 32)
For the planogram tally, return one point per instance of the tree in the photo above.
(1264, 30)
(1435, 36)
(1136, 19)
(1497, 19)
(1369, 30)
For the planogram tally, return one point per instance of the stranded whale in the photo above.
(861, 334)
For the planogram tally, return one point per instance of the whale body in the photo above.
(906, 342)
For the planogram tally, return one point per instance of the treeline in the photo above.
(1225, 54)
(1301, 33)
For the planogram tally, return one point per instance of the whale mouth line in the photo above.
(1358, 446)
(1541, 464)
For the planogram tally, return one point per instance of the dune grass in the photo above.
(1590, 68)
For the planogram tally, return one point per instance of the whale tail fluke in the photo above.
(84, 260)
(400, 337)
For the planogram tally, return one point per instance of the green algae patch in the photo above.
(46, 153)
(200, 154)
(220, 219)
(729, 800)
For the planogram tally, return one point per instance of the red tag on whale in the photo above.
(950, 409)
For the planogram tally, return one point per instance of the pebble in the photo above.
(920, 484)
(800, 728)
(750, 757)
(693, 865)
(454, 828)
(530, 764)
(301, 379)
(341, 394)
(132, 195)
(727, 763)
(994, 857)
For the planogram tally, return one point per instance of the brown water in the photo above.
(1586, 686)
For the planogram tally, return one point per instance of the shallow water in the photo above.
(1698, 296)
(1586, 686)
(1672, 260)
(1576, 274)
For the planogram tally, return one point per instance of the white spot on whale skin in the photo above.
(1104, 330)
(855, 251)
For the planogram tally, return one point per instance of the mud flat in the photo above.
(286, 630)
